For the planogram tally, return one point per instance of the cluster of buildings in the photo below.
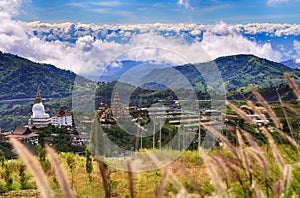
(39, 119)
(109, 115)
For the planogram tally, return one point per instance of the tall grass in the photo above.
(34, 167)
(60, 173)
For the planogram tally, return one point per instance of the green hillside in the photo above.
(20, 78)
(237, 72)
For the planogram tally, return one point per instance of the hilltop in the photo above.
(19, 78)
(237, 72)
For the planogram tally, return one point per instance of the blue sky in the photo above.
(152, 11)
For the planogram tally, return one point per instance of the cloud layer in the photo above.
(87, 48)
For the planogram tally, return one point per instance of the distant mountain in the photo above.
(292, 64)
(129, 71)
(20, 78)
(237, 72)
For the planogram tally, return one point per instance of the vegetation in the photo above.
(88, 163)
(237, 72)
(20, 78)
(71, 165)
(60, 139)
(247, 161)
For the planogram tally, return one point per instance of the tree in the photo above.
(71, 165)
(7, 176)
(2, 158)
(22, 175)
(88, 163)
(97, 138)
(42, 157)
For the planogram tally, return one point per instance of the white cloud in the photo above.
(77, 4)
(94, 47)
(234, 43)
(272, 29)
(184, 3)
(297, 49)
(100, 10)
(9, 8)
(89, 54)
(272, 2)
(108, 3)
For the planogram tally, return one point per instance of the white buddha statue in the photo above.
(39, 118)
(38, 109)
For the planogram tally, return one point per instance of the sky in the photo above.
(86, 36)
(167, 11)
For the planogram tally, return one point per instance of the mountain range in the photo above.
(20, 78)
(233, 73)
(292, 63)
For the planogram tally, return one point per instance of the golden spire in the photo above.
(117, 97)
(38, 97)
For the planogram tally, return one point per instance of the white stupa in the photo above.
(39, 118)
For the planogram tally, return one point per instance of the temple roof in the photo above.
(62, 113)
(20, 130)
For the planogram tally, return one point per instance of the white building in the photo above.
(62, 119)
(39, 118)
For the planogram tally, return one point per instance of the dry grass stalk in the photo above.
(290, 139)
(241, 113)
(276, 153)
(287, 175)
(268, 108)
(287, 121)
(34, 167)
(244, 157)
(177, 183)
(257, 191)
(234, 162)
(222, 138)
(250, 140)
(290, 108)
(181, 189)
(292, 84)
(130, 179)
(277, 189)
(234, 171)
(212, 171)
(257, 153)
(260, 158)
(253, 107)
(222, 169)
(60, 173)
(187, 175)
(104, 178)
(163, 182)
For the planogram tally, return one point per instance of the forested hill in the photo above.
(20, 78)
(237, 72)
